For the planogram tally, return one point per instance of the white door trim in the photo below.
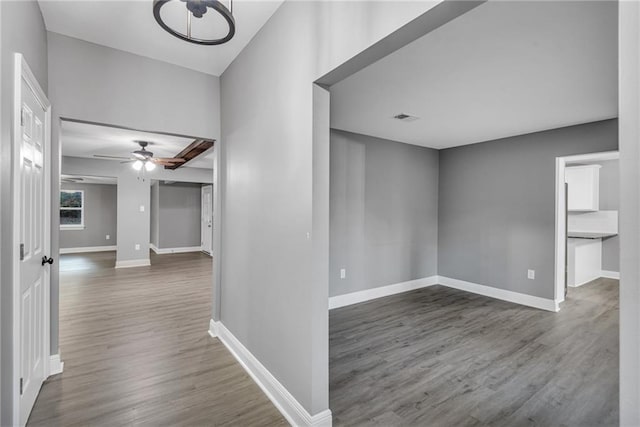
(22, 72)
(561, 226)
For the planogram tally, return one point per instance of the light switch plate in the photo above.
(141, 208)
(531, 274)
(108, 237)
(137, 246)
(343, 273)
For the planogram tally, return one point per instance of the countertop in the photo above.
(590, 234)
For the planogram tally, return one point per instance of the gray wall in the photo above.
(100, 84)
(155, 207)
(267, 180)
(610, 201)
(100, 212)
(179, 213)
(133, 222)
(21, 30)
(497, 206)
(103, 85)
(383, 212)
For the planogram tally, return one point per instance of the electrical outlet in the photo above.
(108, 237)
(137, 247)
(531, 274)
(343, 273)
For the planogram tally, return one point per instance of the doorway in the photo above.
(206, 227)
(586, 219)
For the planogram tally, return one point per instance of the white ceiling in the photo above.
(87, 140)
(130, 26)
(502, 69)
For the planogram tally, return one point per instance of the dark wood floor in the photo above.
(444, 357)
(136, 350)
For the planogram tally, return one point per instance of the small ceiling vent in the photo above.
(405, 117)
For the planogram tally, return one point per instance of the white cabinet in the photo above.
(584, 261)
(584, 187)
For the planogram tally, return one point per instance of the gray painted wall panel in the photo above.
(497, 206)
(383, 212)
(179, 213)
(22, 30)
(100, 84)
(100, 213)
(610, 200)
(266, 182)
(133, 225)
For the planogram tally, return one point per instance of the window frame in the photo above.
(81, 209)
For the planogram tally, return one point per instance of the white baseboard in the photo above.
(591, 279)
(502, 294)
(143, 262)
(56, 366)
(161, 251)
(87, 249)
(290, 408)
(610, 274)
(379, 292)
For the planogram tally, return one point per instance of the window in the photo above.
(71, 209)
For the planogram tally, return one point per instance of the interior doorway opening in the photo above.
(494, 198)
(587, 205)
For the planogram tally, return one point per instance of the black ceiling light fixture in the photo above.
(184, 26)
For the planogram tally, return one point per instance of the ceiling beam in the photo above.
(192, 151)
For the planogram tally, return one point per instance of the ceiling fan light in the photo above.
(196, 9)
(137, 165)
(149, 166)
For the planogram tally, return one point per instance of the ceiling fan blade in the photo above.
(128, 161)
(139, 156)
(102, 156)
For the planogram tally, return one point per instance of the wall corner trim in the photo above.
(161, 251)
(610, 274)
(56, 365)
(288, 406)
(380, 292)
(133, 263)
(213, 328)
(502, 294)
(87, 249)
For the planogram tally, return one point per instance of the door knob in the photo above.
(46, 260)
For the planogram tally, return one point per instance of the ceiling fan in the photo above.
(144, 158)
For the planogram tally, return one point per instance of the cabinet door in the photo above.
(584, 184)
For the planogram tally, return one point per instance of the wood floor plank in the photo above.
(136, 350)
(443, 357)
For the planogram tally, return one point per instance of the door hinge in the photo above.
(21, 251)
(21, 383)
(22, 117)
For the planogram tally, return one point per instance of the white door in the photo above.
(32, 225)
(207, 218)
